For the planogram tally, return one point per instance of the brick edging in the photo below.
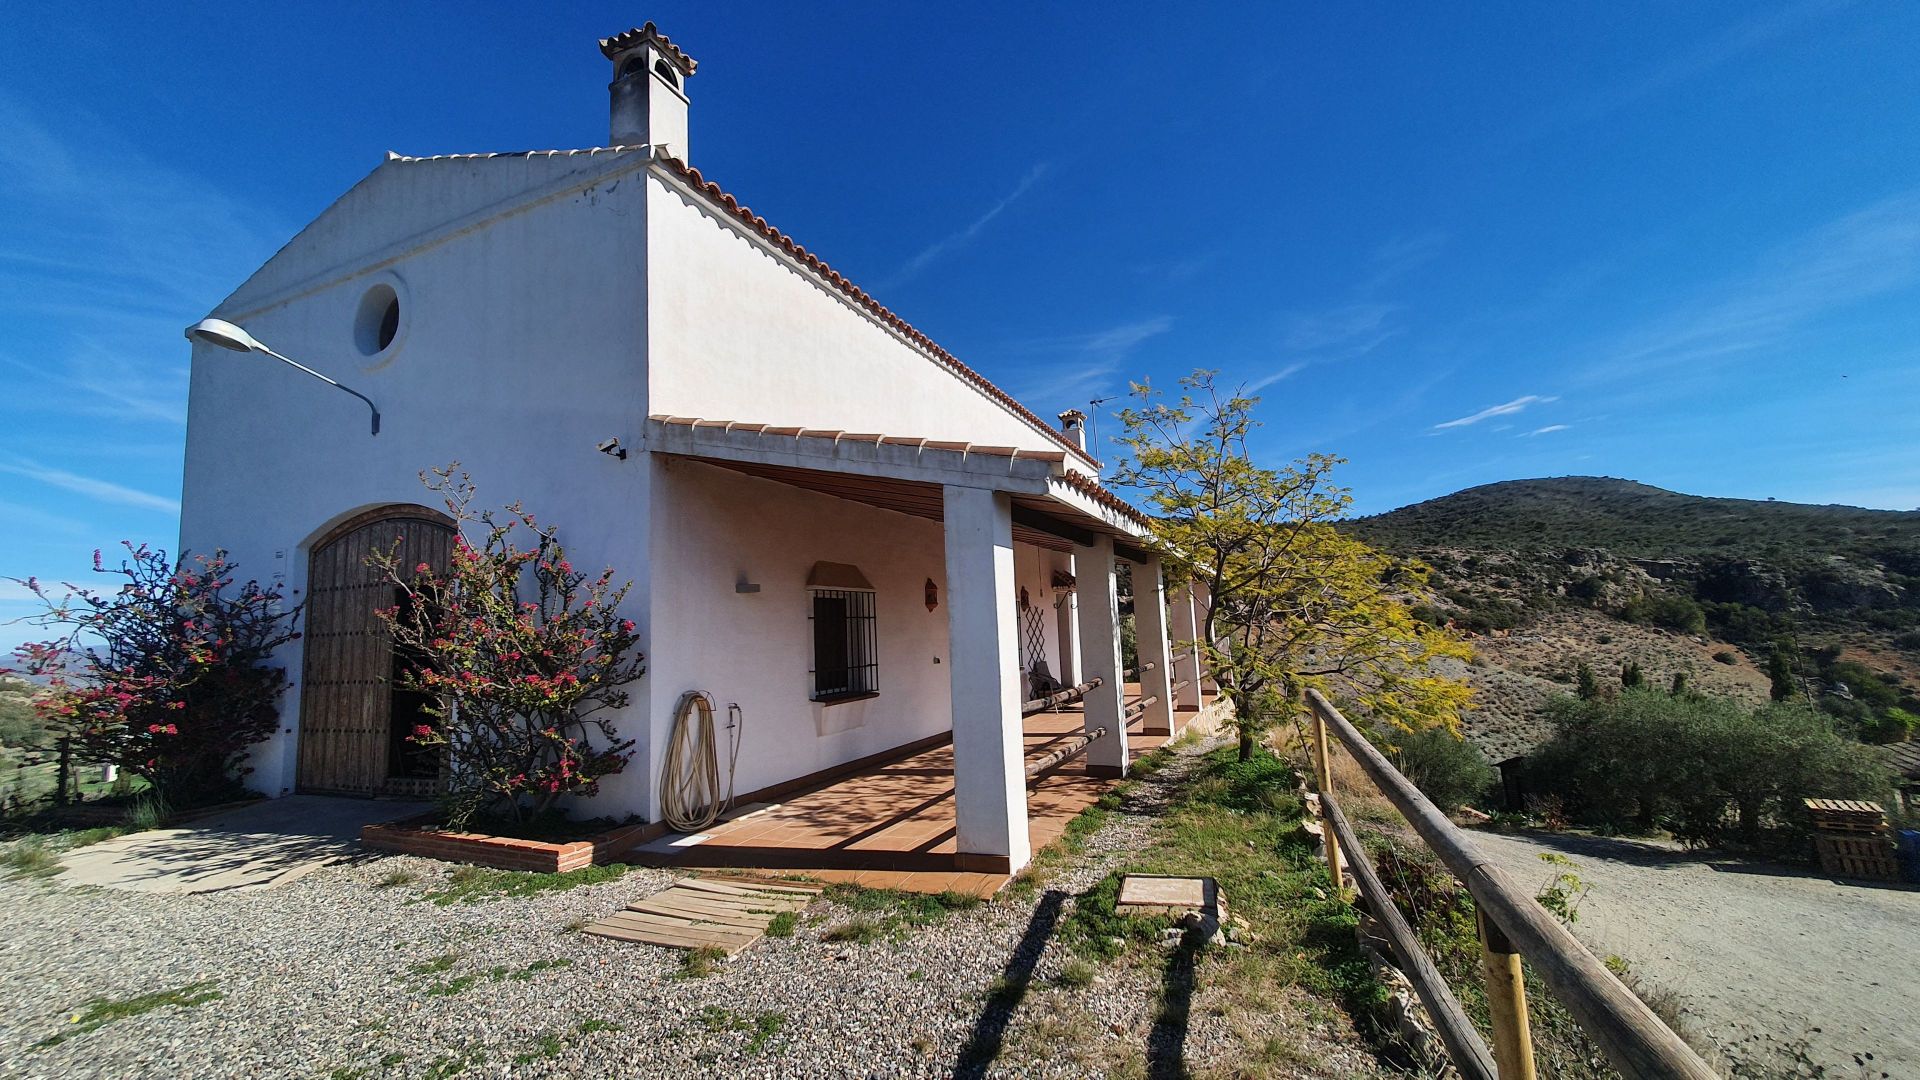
(417, 836)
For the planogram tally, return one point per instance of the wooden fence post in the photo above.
(1507, 1002)
(1324, 768)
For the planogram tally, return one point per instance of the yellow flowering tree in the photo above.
(1292, 602)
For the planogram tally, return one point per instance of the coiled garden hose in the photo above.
(690, 797)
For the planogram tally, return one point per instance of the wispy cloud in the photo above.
(1548, 430)
(1086, 364)
(1738, 39)
(1265, 381)
(954, 241)
(102, 490)
(1867, 253)
(1519, 404)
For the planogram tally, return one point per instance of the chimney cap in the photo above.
(649, 34)
(1072, 418)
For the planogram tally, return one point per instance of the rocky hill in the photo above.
(1554, 572)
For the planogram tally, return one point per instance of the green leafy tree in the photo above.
(1679, 686)
(1780, 673)
(1715, 769)
(1292, 603)
(1631, 675)
(1586, 686)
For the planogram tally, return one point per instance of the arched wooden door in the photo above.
(353, 717)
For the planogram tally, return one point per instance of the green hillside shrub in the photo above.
(1445, 767)
(1712, 770)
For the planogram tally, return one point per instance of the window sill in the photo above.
(842, 699)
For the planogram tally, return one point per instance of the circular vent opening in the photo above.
(378, 321)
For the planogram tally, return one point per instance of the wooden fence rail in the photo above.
(1513, 925)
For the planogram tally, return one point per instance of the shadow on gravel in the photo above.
(1167, 1042)
(990, 1030)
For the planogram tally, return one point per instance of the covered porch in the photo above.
(892, 824)
(1020, 757)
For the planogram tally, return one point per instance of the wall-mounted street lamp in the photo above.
(228, 336)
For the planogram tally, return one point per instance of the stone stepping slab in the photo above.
(699, 913)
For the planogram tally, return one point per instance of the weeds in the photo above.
(761, 1026)
(474, 884)
(100, 1012)
(884, 912)
(31, 859)
(395, 878)
(149, 811)
(1076, 974)
(783, 924)
(699, 963)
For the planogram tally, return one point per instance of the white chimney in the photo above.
(649, 90)
(1073, 424)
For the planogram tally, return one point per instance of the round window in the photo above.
(378, 320)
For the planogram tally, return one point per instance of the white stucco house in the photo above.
(828, 519)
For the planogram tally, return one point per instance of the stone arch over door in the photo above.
(352, 713)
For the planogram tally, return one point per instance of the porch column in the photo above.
(1069, 619)
(1150, 634)
(983, 652)
(1100, 655)
(1186, 653)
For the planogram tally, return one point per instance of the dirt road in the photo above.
(1787, 972)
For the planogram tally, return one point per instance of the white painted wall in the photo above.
(775, 345)
(519, 351)
(712, 526)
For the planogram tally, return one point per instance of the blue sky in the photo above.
(1453, 243)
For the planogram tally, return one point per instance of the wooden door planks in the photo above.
(703, 913)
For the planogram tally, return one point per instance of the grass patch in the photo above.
(475, 884)
(699, 963)
(783, 924)
(589, 1026)
(31, 859)
(1076, 973)
(100, 1012)
(761, 1028)
(393, 879)
(881, 913)
(860, 930)
(1239, 823)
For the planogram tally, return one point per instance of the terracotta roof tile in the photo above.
(730, 205)
(627, 39)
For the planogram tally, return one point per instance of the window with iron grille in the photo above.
(845, 650)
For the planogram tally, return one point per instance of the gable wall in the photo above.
(519, 353)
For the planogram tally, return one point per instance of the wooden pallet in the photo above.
(1855, 855)
(700, 913)
(1847, 815)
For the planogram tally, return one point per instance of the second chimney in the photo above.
(1073, 423)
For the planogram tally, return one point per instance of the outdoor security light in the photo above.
(228, 336)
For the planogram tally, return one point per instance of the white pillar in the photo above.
(1186, 652)
(1069, 618)
(983, 653)
(1100, 655)
(1150, 632)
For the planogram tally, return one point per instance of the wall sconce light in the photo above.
(933, 595)
(742, 585)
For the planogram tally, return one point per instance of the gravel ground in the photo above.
(333, 976)
(1787, 972)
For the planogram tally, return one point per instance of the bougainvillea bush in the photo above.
(169, 674)
(522, 656)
